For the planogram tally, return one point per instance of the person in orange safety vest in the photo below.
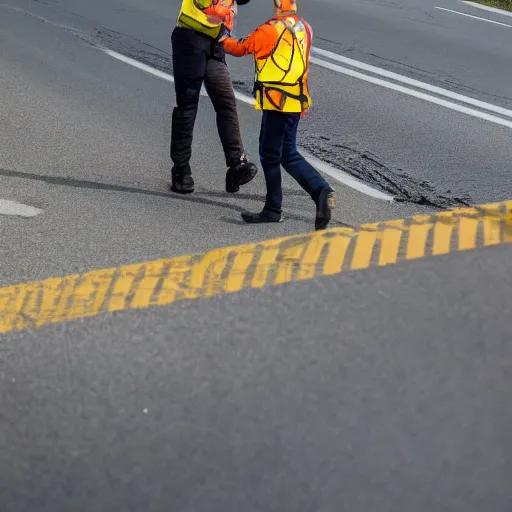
(281, 50)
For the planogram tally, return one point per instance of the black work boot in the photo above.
(324, 204)
(182, 181)
(240, 174)
(263, 217)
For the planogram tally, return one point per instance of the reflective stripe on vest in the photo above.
(192, 17)
(281, 78)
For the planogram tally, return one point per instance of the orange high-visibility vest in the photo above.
(281, 78)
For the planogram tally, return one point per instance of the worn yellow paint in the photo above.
(468, 231)
(390, 237)
(236, 277)
(419, 232)
(364, 245)
(443, 233)
(270, 262)
(172, 288)
(122, 286)
(266, 261)
(337, 247)
(491, 224)
(288, 259)
(507, 227)
(89, 293)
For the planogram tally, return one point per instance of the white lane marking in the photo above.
(161, 74)
(13, 208)
(474, 17)
(415, 83)
(488, 8)
(139, 65)
(328, 169)
(345, 178)
(412, 92)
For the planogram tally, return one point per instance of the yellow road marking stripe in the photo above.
(338, 245)
(390, 242)
(271, 262)
(171, 288)
(310, 258)
(289, 260)
(236, 278)
(507, 226)
(122, 286)
(267, 260)
(143, 287)
(418, 237)
(468, 231)
(365, 243)
(443, 232)
(89, 293)
(491, 227)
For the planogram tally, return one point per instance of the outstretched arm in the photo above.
(260, 43)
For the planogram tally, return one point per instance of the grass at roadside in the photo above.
(500, 4)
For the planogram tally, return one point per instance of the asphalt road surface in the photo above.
(384, 389)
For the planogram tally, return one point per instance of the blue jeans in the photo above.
(278, 146)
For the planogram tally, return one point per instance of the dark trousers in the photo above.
(199, 59)
(278, 146)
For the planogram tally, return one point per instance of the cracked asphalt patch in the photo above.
(366, 167)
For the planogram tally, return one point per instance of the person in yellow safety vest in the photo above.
(199, 58)
(208, 17)
(281, 49)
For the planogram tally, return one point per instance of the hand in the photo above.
(229, 21)
(304, 114)
(224, 34)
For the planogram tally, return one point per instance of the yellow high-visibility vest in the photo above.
(192, 16)
(281, 78)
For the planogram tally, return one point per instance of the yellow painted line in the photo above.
(268, 263)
